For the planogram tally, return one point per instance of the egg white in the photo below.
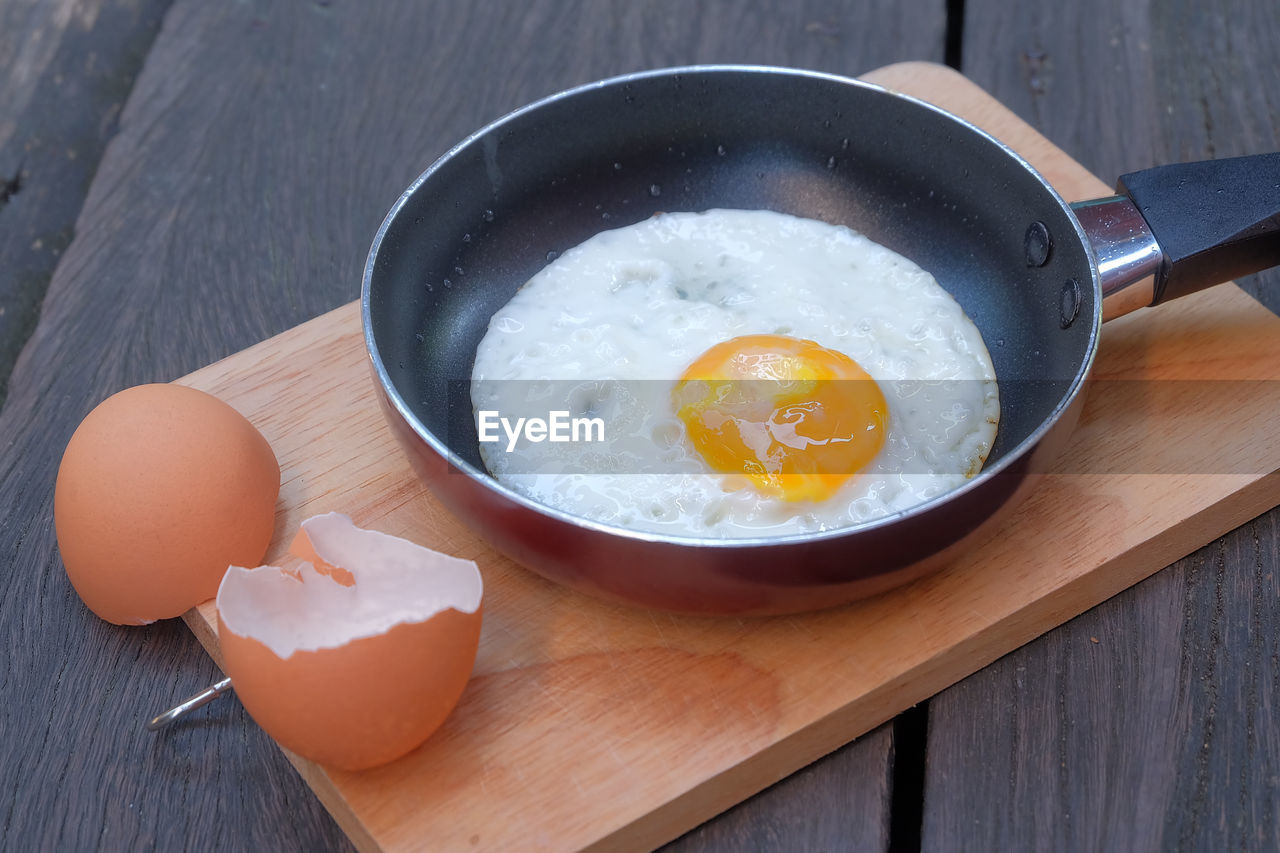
(607, 328)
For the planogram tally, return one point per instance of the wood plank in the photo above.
(1149, 722)
(593, 724)
(1121, 87)
(1146, 724)
(841, 801)
(256, 155)
(68, 65)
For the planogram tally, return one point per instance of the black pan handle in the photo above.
(1177, 229)
(1214, 220)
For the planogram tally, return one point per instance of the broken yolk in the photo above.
(798, 419)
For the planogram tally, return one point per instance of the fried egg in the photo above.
(735, 374)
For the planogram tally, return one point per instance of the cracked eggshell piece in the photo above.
(357, 656)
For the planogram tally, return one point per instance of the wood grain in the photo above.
(56, 54)
(258, 150)
(1148, 723)
(596, 725)
(849, 795)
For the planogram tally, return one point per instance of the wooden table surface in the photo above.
(179, 180)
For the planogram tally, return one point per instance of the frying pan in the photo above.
(1034, 274)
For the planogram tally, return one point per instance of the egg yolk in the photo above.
(796, 418)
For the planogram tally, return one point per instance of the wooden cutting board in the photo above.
(593, 724)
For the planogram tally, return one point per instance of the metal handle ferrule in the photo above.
(1128, 255)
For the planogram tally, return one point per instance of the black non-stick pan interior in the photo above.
(488, 216)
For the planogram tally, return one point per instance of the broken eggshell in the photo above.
(356, 656)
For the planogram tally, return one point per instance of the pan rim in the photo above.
(486, 480)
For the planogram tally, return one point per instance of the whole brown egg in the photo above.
(161, 488)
